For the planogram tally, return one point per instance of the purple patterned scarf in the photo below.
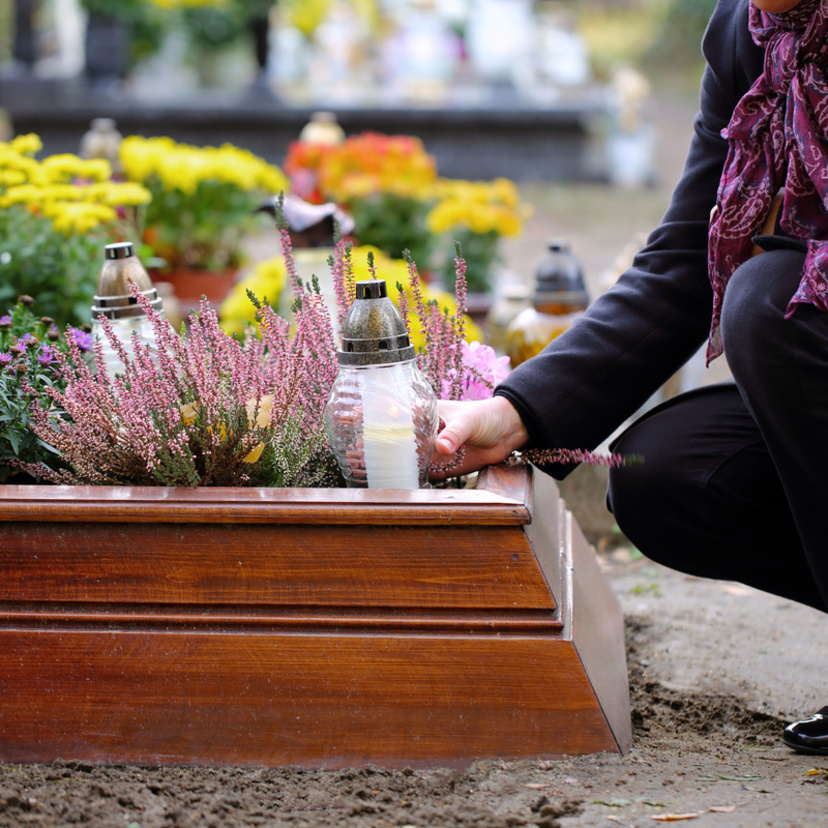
(778, 137)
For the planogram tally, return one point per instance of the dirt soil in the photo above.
(715, 670)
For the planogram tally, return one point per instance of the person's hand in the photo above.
(489, 430)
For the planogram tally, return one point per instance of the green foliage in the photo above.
(145, 20)
(394, 223)
(209, 27)
(480, 251)
(27, 369)
(292, 457)
(205, 228)
(60, 272)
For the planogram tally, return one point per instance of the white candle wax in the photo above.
(389, 443)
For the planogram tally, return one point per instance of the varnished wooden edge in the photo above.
(502, 497)
(598, 634)
(117, 618)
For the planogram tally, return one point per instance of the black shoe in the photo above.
(809, 735)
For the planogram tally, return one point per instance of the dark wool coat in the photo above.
(637, 335)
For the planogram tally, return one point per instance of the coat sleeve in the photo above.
(638, 334)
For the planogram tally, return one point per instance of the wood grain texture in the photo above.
(177, 626)
(262, 699)
(341, 566)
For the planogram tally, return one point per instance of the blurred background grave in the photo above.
(528, 90)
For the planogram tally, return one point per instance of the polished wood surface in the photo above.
(312, 627)
(504, 504)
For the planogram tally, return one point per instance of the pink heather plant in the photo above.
(455, 368)
(202, 409)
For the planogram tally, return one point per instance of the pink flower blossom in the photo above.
(487, 370)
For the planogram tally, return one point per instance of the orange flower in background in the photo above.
(390, 186)
(303, 162)
(375, 163)
(361, 166)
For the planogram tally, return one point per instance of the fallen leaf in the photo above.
(538, 785)
(723, 809)
(817, 772)
(735, 589)
(673, 817)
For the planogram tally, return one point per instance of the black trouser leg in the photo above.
(734, 482)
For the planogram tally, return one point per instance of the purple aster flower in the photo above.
(6, 359)
(45, 356)
(82, 339)
(5, 321)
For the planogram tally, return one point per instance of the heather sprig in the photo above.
(455, 368)
(541, 457)
(342, 269)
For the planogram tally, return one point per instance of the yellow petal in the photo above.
(253, 455)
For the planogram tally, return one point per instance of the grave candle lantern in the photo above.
(114, 300)
(381, 417)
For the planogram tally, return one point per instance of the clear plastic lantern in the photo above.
(381, 417)
(114, 300)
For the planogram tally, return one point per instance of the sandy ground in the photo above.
(715, 670)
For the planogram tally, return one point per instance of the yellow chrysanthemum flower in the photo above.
(31, 169)
(266, 282)
(29, 144)
(77, 217)
(306, 15)
(480, 206)
(183, 167)
(62, 192)
(120, 194)
(27, 194)
(11, 178)
(62, 168)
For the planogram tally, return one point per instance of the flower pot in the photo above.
(315, 627)
(190, 284)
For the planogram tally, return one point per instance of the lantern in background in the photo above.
(559, 298)
(114, 300)
(381, 417)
